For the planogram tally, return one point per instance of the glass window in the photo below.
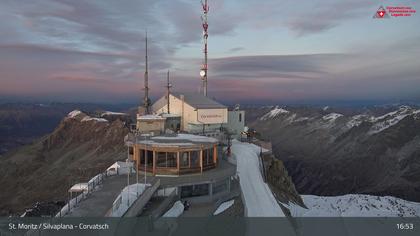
(205, 157)
(240, 117)
(171, 159)
(183, 156)
(208, 156)
(195, 158)
(141, 154)
(194, 190)
(161, 159)
(149, 158)
(211, 153)
(166, 159)
(145, 155)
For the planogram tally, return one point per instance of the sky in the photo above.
(260, 52)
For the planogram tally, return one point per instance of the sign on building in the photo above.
(212, 116)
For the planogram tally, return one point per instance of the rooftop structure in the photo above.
(151, 124)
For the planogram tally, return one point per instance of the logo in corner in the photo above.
(381, 13)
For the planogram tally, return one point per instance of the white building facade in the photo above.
(199, 114)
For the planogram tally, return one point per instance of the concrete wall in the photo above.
(227, 193)
(166, 204)
(236, 122)
(147, 126)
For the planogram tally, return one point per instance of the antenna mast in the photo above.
(168, 87)
(146, 100)
(203, 72)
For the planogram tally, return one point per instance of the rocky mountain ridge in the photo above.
(80, 147)
(332, 153)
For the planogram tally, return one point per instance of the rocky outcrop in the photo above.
(281, 183)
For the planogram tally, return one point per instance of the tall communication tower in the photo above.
(203, 72)
(168, 90)
(146, 99)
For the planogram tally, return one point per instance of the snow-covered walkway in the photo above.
(258, 198)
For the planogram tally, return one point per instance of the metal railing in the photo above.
(93, 184)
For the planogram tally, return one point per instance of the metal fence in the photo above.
(93, 184)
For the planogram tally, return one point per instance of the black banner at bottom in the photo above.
(219, 226)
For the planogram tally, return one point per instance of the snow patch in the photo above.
(273, 113)
(390, 119)
(355, 205)
(150, 117)
(331, 117)
(176, 210)
(74, 113)
(300, 119)
(291, 118)
(401, 110)
(111, 113)
(224, 206)
(358, 120)
(88, 118)
(381, 126)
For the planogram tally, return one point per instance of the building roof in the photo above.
(171, 140)
(150, 117)
(195, 100)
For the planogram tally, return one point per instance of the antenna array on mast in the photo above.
(146, 99)
(203, 72)
(168, 90)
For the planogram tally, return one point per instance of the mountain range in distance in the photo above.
(328, 151)
(336, 151)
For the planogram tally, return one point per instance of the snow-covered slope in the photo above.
(378, 124)
(258, 198)
(112, 113)
(88, 118)
(273, 113)
(78, 115)
(331, 117)
(74, 113)
(355, 205)
(392, 118)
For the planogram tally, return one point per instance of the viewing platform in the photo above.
(175, 154)
(208, 186)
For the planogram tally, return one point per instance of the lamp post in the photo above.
(145, 158)
(145, 164)
(128, 178)
(137, 167)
